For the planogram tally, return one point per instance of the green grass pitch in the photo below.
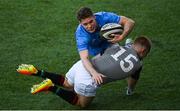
(41, 32)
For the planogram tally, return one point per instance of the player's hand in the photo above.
(98, 78)
(117, 38)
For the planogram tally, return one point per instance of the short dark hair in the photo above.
(84, 12)
(144, 42)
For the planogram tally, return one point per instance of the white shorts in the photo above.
(82, 80)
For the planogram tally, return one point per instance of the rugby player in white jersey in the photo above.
(116, 63)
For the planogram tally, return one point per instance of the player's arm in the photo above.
(132, 81)
(89, 67)
(128, 25)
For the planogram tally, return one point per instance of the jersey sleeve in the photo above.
(81, 40)
(110, 17)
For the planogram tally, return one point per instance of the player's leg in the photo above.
(57, 79)
(47, 85)
(27, 69)
(84, 86)
(84, 101)
(78, 77)
(71, 96)
(68, 95)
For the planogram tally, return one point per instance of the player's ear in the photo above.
(144, 51)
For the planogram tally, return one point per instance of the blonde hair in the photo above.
(143, 41)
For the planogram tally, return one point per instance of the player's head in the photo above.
(142, 45)
(87, 19)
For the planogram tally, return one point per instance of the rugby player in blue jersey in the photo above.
(87, 35)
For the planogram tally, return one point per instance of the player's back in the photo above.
(117, 62)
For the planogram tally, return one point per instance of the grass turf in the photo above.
(41, 32)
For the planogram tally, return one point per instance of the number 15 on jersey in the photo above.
(125, 60)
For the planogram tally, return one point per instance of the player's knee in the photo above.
(83, 105)
(67, 85)
(84, 101)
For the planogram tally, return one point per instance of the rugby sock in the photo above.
(69, 96)
(55, 78)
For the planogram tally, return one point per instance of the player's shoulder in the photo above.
(99, 13)
(116, 45)
(80, 30)
(130, 50)
(102, 14)
(119, 47)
